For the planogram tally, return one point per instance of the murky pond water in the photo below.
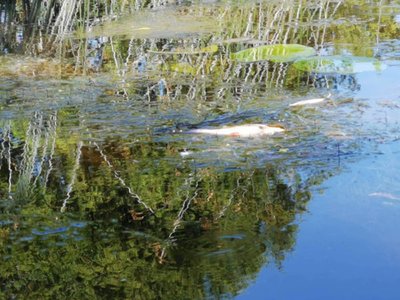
(134, 160)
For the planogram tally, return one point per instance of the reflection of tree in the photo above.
(216, 229)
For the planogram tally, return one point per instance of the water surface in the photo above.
(105, 193)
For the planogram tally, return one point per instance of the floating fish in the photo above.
(247, 130)
(308, 102)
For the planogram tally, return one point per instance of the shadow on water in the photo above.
(105, 193)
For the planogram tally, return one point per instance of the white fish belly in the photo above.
(250, 130)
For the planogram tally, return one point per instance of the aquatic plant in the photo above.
(278, 53)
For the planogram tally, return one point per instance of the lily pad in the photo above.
(275, 53)
(339, 64)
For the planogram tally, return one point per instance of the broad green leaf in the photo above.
(339, 64)
(274, 53)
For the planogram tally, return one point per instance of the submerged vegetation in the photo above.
(104, 190)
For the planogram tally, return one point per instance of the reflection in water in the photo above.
(105, 193)
(206, 224)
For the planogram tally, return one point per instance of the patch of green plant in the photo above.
(276, 53)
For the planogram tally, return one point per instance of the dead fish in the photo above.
(308, 102)
(385, 195)
(247, 130)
